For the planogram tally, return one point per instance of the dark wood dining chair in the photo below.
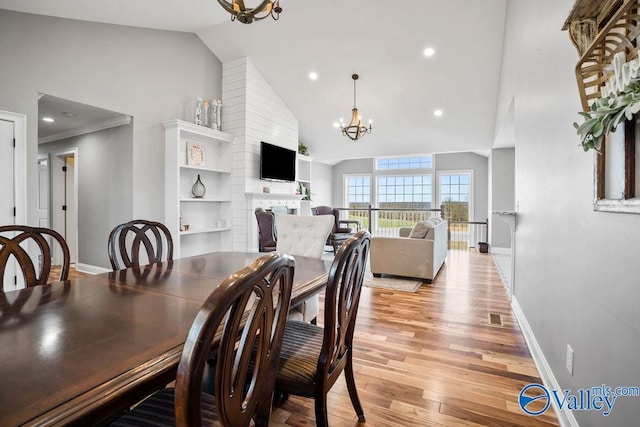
(313, 357)
(14, 240)
(338, 234)
(247, 356)
(127, 240)
(266, 230)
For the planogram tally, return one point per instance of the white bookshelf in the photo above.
(304, 178)
(208, 218)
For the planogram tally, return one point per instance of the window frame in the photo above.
(629, 202)
(383, 171)
(345, 187)
(402, 175)
(471, 188)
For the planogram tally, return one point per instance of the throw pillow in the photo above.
(419, 230)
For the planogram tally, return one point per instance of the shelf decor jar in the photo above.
(198, 190)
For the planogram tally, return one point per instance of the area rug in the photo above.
(391, 282)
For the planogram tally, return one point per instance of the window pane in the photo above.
(405, 192)
(424, 162)
(358, 191)
(454, 194)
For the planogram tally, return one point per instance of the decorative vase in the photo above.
(198, 190)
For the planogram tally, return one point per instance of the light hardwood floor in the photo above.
(432, 358)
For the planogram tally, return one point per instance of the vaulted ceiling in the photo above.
(399, 87)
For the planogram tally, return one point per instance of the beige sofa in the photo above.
(409, 256)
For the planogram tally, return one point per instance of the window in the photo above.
(422, 162)
(358, 192)
(455, 195)
(410, 192)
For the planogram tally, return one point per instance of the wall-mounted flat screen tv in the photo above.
(277, 163)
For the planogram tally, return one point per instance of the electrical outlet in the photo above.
(569, 361)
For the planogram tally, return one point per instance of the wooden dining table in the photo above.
(79, 352)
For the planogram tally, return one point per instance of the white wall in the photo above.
(576, 275)
(253, 112)
(321, 184)
(151, 75)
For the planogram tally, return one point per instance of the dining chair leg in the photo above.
(351, 387)
(263, 412)
(321, 410)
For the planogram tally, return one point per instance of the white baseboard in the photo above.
(501, 251)
(91, 269)
(565, 416)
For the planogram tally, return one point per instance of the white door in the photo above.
(43, 191)
(71, 219)
(64, 215)
(7, 197)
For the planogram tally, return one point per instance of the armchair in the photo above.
(338, 234)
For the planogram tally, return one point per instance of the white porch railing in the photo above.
(387, 222)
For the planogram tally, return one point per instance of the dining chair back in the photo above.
(127, 241)
(246, 315)
(302, 235)
(15, 242)
(313, 357)
(338, 233)
(266, 230)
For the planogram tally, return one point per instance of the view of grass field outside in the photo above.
(454, 194)
(401, 196)
(402, 199)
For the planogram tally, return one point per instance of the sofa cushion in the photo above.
(420, 230)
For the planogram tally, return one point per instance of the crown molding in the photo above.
(95, 127)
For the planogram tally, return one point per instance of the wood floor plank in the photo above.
(432, 358)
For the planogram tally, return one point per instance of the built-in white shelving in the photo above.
(304, 178)
(209, 217)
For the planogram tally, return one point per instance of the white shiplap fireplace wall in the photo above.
(253, 112)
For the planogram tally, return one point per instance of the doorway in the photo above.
(64, 201)
(7, 172)
(13, 184)
(88, 196)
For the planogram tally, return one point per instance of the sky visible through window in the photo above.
(358, 191)
(411, 191)
(421, 162)
(454, 188)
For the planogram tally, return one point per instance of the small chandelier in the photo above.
(247, 15)
(354, 130)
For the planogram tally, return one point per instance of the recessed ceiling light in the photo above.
(437, 113)
(68, 114)
(313, 76)
(48, 119)
(429, 51)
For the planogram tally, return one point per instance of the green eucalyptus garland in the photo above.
(606, 114)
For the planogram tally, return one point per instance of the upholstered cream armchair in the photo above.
(303, 235)
(417, 252)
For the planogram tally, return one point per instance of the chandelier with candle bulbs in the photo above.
(354, 129)
(247, 15)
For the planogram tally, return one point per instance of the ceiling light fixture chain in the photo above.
(355, 129)
(247, 15)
